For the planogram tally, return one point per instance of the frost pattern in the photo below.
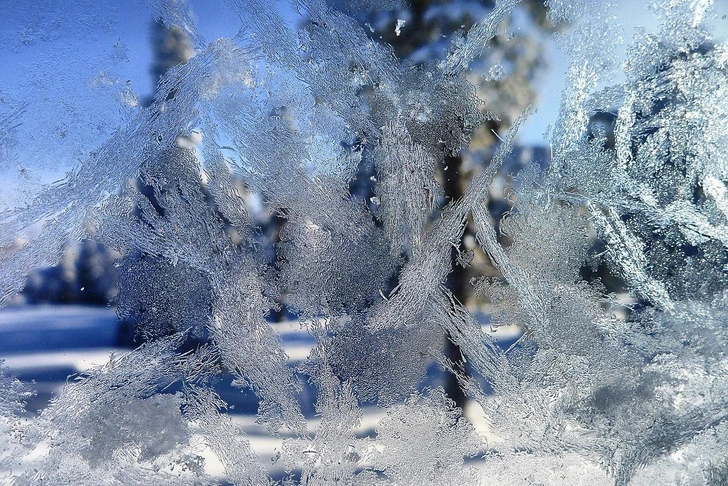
(589, 392)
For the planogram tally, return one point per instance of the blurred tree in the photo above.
(151, 313)
(171, 46)
(420, 33)
(85, 275)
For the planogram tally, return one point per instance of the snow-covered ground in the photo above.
(48, 344)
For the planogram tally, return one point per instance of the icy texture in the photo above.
(589, 393)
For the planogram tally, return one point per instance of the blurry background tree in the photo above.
(171, 46)
(86, 274)
(505, 79)
(418, 33)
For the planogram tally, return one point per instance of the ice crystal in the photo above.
(591, 391)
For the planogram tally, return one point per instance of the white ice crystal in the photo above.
(291, 114)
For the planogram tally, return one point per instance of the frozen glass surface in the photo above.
(292, 212)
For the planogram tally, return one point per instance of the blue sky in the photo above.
(70, 67)
(632, 14)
